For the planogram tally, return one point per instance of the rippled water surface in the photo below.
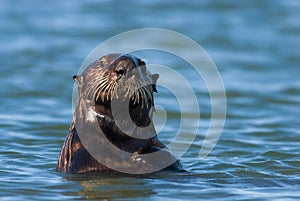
(256, 47)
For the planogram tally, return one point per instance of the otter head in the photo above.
(121, 79)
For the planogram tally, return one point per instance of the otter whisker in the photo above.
(149, 94)
(128, 92)
(96, 95)
(108, 89)
(91, 89)
(136, 92)
(138, 98)
(144, 96)
(99, 90)
(104, 83)
(114, 89)
(140, 93)
(96, 87)
(103, 89)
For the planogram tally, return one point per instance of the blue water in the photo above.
(254, 44)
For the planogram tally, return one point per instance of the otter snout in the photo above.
(120, 70)
(125, 63)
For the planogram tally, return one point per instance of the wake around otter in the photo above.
(112, 128)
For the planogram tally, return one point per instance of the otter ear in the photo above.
(78, 79)
(154, 80)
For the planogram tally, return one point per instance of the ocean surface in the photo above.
(255, 46)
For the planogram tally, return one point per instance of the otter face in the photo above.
(121, 77)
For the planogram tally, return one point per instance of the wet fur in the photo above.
(97, 86)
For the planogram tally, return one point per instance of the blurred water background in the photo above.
(256, 47)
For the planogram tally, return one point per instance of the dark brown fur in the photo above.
(75, 158)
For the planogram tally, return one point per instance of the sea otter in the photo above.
(112, 128)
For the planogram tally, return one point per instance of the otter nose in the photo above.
(120, 70)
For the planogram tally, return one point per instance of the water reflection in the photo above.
(109, 186)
